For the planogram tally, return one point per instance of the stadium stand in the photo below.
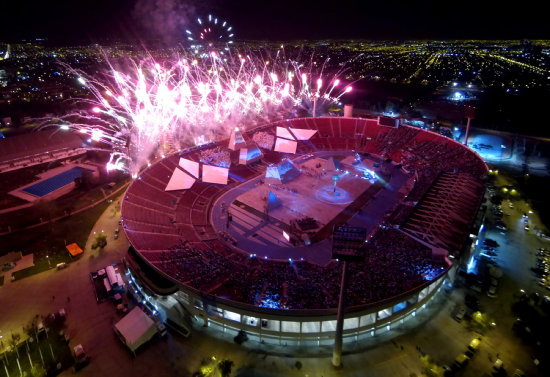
(171, 229)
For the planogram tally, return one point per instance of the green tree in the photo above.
(225, 367)
(38, 370)
(88, 179)
(100, 241)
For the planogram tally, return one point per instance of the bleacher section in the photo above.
(172, 231)
(38, 147)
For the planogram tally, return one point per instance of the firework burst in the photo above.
(179, 102)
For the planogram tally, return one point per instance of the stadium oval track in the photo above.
(177, 253)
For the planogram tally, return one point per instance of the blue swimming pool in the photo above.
(56, 182)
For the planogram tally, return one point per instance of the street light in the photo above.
(348, 245)
(49, 263)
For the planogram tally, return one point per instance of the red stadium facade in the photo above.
(193, 270)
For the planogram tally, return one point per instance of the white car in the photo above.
(461, 312)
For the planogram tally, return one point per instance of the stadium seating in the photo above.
(165, 226)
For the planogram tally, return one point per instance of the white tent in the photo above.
(236, 140)
(282, 173)
(250, 154)
(135, 329)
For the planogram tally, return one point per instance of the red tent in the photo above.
(74, 250)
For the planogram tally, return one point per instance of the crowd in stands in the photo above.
(41, 158)
(395, 262)
(263, 139)
(394, 265)
(216, 157)
(307, 223)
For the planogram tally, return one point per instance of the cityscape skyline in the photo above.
(244, 188)
(167, 20)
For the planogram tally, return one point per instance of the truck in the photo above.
(80, 358)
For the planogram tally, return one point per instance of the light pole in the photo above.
(469, 112)
(49, 263)
(338, 335)
(348, 245)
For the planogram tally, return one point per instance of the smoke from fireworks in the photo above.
(179, 102)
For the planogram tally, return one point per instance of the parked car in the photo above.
(518, 373)
(8, 266)
(460, 361)
(492, 291)
(491, 242)
(460, 313)
(474, 344)
(80, 357)
(472, 302)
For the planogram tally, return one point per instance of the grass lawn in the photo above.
(69, 203)
(50, 239)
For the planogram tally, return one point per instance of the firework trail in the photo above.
(210, 30)
(189, 100)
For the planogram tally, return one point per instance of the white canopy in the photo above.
(135, 329)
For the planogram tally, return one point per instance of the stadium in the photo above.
(237, 234)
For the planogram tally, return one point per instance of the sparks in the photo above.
(150, 108)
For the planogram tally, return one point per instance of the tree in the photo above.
(44, 209)
(497, 199)
(88, 179)
(224, 367)
(38, 370)
(100, 241)
(14, 341)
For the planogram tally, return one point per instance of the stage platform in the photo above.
(259, 230)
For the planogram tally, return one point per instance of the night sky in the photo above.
(88, 21)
